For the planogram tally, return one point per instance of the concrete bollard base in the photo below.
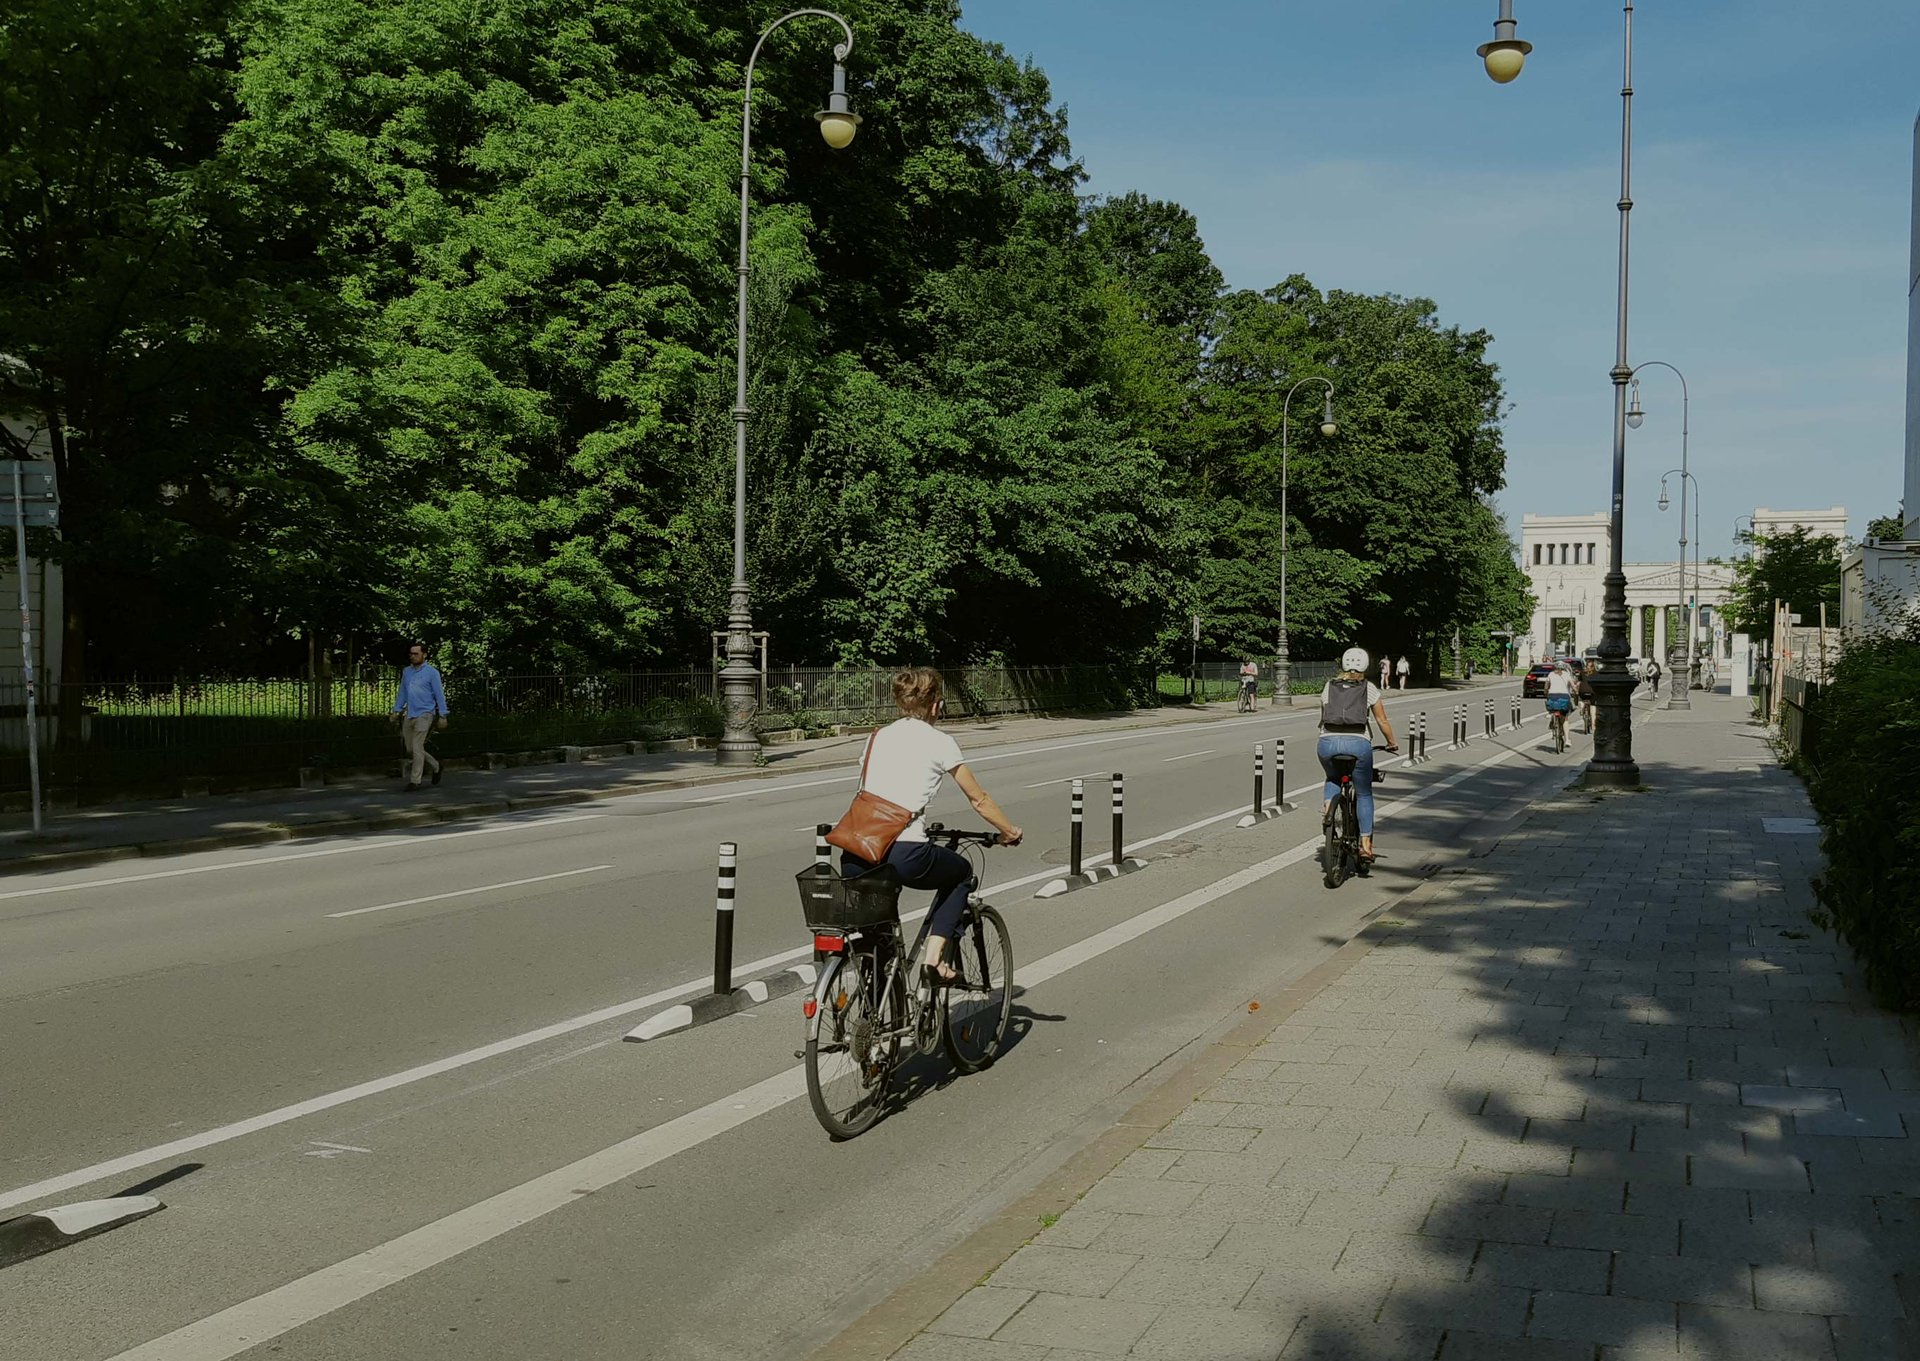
(1099, 874)
(713, 1006)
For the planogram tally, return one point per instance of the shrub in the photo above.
(1861, 772)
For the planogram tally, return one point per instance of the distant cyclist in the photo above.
(1346, 702)
(1583, 691)
(1561, 689)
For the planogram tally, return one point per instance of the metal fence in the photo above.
(1799, 722)
(1221, 680)
(119, 736)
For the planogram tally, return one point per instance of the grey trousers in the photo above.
(413, 731)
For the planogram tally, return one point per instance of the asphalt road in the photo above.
(387, 1070)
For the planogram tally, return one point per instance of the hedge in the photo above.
(1864, 777)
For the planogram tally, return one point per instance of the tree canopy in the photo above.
(417, 318)
(1796, 567)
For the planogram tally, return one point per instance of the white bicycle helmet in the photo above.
(1354, 659)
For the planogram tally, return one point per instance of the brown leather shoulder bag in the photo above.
(872, 824)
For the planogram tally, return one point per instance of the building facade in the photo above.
(1565, 560)
(1880, 579)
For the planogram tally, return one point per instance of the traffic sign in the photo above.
(39, 497)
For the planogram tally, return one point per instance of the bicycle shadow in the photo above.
(927, 1073)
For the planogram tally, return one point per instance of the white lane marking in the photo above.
(1096, 775)
(981, 759)
(246, 1325)
(377, 844)
(1188, 757)
(465, 892)
(374, 1087)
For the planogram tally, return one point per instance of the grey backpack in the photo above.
(1345, 706)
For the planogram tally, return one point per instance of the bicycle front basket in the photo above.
(870, 899)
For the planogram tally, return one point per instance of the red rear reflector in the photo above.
(808, 1008)
(830, 945)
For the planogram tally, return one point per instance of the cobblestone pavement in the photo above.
(1603, 1092)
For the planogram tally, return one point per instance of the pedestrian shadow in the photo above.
(1605, 1087)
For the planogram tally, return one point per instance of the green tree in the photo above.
(1795, 567)
(1887, 527)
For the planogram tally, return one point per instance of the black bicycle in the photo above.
(1340, 856)
(869, 1014)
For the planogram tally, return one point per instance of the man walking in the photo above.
(419, 708)
(1404, 669)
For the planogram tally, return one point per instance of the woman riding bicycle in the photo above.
(905, 764)
(1583, 691)
(1561, 689)
(1346, 701)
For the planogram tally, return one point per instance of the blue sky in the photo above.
(1359, 142)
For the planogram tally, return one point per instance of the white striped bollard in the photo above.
(1259, 776)
(1490, 723)
(1079, 816)
(1419, 736)
(723, 920)
(1119, 803)
(1280, 773)
(822, 852)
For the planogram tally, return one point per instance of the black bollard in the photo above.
(1280, 773)
(1079, 815)
(1259, 776)
(723, 920)
(1119, 799)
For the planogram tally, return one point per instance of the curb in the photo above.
(1267, 814)
(42, 1231)
(716, 1005)
(1099, 874)
(350, 824)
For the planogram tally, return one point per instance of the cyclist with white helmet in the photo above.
(1346, 703)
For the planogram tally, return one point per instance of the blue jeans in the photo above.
(1334, 744)
(921, 864)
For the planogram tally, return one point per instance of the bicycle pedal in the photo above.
(800, 1053)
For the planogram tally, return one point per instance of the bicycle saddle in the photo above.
(1344, 766)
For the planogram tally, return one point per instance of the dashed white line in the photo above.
(1188, 757)
(377, 844)
(467, 892)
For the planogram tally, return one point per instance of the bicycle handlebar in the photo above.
(953, 836)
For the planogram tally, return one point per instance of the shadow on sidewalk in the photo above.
(1679, 1115)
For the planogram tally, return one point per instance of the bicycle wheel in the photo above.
(1559, 733)
(849, 1056)
(1349, 836)
(1330, 845)
(980, 1000)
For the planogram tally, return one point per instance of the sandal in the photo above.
(939, 975)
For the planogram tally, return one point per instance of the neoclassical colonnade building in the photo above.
(1565, 560)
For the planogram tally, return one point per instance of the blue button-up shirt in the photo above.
(420, 692)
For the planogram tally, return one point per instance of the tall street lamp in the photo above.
(1689, 614)
(1283, 687)
(739, 679)
(1677, 690)
(1612, 765)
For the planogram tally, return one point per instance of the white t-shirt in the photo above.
(910, 759)
(1404, 667)
(1560, 682)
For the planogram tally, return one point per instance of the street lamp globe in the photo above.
(838, 128)
(1664, 501)
(1328, 426)
(837, 121)
(1504, 58)
(1634, 414)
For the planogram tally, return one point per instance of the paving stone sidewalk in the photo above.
(1603, 1093)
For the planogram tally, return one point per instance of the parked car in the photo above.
(1534, 684)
